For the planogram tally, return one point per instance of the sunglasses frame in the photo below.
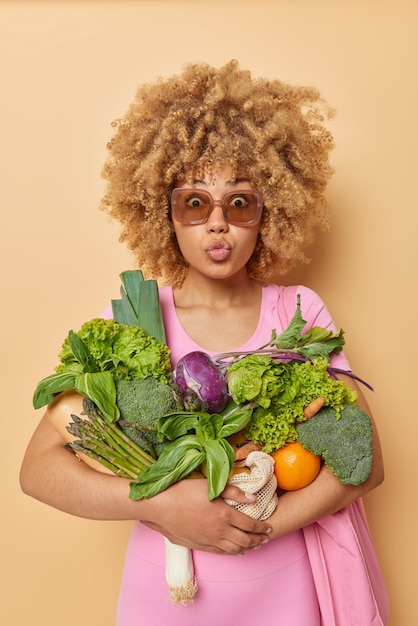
(176, 192)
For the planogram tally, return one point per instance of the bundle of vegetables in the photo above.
(154, 426)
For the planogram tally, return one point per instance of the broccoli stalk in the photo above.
(345, 442)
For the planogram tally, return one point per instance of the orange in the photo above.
(295, 467)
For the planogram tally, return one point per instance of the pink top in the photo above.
(343, 578)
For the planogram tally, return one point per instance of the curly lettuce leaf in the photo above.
(273, 423)
(256, 378)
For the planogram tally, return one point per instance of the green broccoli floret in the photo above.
(345, 442)
(141, 403)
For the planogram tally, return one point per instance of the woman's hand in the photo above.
(186, 517)
(182, 513)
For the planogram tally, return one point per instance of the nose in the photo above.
(216, 222)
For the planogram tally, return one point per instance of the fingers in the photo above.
(247, 524)
(242, 533)
(234, 548)
(211, 526)
(236, 494)
(236, 534)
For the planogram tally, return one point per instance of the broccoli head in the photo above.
(345, 442)
(141, 403)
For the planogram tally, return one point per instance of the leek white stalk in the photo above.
(179, 573)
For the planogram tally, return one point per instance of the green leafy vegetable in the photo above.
(257, 378)
(98, 354)
(51, 385)
(194, 438)
(176, 461)
(282, 390)
(126, 351)
(316, 343)
(344, 441)
(100, 387)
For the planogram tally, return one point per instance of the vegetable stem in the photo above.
(129, 447)
(94, 454)
(107, 444)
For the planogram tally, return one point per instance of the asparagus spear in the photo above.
(106, 443)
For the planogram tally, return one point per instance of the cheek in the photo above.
(252, 242)
(185, 239)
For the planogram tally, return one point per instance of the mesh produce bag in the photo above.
(261, 481)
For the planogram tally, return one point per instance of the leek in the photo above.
(140, 306)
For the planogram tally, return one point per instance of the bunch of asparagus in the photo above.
(105, 442)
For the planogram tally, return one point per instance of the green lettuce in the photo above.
(100, 352)
(282, 390)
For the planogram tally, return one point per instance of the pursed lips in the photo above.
(218, 250)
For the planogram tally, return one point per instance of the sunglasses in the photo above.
(194, 206)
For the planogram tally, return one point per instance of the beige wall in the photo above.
(68, 69)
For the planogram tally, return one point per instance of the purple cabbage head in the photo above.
(201, 383)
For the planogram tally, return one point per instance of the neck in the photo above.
(218, 293)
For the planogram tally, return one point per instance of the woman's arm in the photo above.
(53, 474)
(326, 494)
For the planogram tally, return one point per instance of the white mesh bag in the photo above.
(261, 481)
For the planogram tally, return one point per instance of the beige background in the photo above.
(67, 70)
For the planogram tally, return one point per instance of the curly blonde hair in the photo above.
(199, 120)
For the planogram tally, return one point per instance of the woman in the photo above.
(218, 180)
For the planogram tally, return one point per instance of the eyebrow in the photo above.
(197, 181)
